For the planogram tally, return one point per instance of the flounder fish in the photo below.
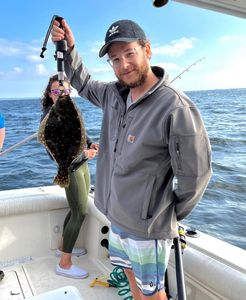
(62, 132)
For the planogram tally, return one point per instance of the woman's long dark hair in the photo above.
(46, 101)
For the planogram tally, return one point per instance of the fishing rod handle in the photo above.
(179, 269)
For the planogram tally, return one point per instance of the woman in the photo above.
(76, 192)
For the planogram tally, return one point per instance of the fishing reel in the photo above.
(61, 49)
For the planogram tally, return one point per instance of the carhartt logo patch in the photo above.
(131, 138)
(113, 30)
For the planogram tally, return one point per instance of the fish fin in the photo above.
(41, 131)
(62, 180)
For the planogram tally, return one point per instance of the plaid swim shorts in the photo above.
(147, 258)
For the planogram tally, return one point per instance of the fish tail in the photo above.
(62, 180)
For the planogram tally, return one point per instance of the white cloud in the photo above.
(33, 58)
(231, 38)
(16, 49)
(103, 69)
(41, 70)
(18, 70)
(96, 47)
(168, 66)
(26, 56)
(232, 75)
(9, 48)
(176, 47)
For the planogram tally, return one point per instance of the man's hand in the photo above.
(63, 33)
(92, 151)
(95, 146)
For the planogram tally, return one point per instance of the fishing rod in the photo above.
(61, 49)
(187, 69)
(27, 139)
(178, 243)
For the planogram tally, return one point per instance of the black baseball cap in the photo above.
(122, 31)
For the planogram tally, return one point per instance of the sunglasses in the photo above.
(58, 92)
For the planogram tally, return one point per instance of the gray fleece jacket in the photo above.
(142, 149)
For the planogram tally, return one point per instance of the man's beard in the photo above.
(140, 80)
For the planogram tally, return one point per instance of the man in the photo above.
(155, 157)
(2, 131)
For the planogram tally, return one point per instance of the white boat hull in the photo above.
(30, 230)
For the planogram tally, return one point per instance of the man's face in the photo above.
(130, 63)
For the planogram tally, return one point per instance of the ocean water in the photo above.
(222, 210)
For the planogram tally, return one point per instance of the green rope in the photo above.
(118, 279)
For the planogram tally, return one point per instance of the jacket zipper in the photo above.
(115, 145)
(119, 130)
(178, 156)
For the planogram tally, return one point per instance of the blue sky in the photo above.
(179, 35)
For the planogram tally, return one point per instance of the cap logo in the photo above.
(113, 30)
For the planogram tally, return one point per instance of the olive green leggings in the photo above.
(77, 196)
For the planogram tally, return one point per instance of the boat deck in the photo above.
(35, 277)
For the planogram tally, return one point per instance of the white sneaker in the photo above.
(72, 272)
(76, 252)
